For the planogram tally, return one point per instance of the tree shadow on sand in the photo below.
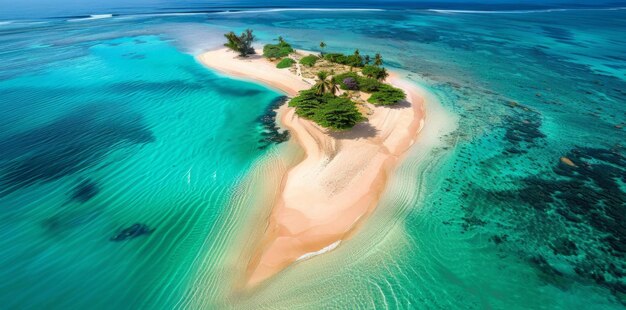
(361, 130)
(251, 57)
(404, 104)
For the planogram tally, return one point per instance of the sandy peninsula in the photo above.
(327, 195)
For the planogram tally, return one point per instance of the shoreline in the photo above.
(326, 197)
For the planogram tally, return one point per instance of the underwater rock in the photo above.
(564, 246)
(84, 191)
(586, 196)
(497, 239)
(544, 266)
(133, 231)
(523, 128)
(577, 211)
(271, 133)
(472, 221)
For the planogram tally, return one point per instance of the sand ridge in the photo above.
(335, 187)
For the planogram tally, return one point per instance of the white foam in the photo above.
(520, 11)
(298, 9)
(163, 15)
(322, 251)
(91, 17)
(20, 22)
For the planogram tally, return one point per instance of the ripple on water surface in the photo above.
(121, 172)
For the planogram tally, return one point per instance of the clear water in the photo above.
(160, 140)
(490, 218)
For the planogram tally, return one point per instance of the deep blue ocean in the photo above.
(108, 125)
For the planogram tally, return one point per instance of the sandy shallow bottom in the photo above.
(379, 247)
(326, 196)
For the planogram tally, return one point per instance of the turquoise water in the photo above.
(159, 140)
(138, 132)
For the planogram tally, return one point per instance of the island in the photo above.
(354, 120)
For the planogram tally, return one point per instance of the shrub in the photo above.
(387, 95)
(363, 83)
(350, 83)
(354, 61)
(306, 103)
(277, 50)
(335, 57)
(337, 113)
(340, 78)
(350, 60)
(374, 72)
(309, 61)
(285, 63)
(369, 85)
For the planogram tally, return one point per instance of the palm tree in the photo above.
(367, 59)
(383, 74)
(242, 43)
(324, 85)
(334, 87)
(322, 46)
(359, 58)
(378, 60)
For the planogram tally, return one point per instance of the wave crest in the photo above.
(520, 11)
(91, 17)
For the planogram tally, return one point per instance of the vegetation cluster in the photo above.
(382, 94)
(356, 60)
(350, 60)
(285, 63)
(321, 103)
(327, 110)
(309, 61)
(276, 51)
(241, 44)
(387, 95)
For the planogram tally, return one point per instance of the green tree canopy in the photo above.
(376, 72)
(378, 60)
(280, 50)
(349, 60)
(309, 60)
(324, 85)
(322, 46)
(241, 44)
(285, 63)
(307, 103)
(387, 95)
(338, 113)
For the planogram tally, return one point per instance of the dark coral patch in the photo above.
(132, 231)
(271, 134)
(85, 190)
(590, 201)
(67, 145)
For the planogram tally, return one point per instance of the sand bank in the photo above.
(327, 195)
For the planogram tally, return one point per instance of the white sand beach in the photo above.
(330, 193)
